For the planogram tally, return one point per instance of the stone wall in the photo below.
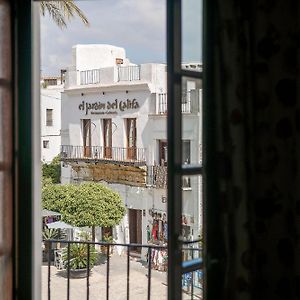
(112, 173)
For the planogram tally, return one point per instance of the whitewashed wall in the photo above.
(51, 99)
(72, 116)
(88, 57)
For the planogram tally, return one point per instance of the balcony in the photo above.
(126, 156)
(111, 275)
(190, 103)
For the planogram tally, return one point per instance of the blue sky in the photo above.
(137, 25)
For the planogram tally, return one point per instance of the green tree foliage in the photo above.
(52, 171)
(46, 181)
(87, 204)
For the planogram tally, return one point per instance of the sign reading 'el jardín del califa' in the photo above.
(108, 107)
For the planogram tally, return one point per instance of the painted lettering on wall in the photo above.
(108, 107)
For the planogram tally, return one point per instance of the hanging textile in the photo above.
(253, 82)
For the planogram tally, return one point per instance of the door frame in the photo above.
(87, 137)
(131, 150)
(107, 149)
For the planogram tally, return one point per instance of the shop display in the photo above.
(159, 259)
(157, 232)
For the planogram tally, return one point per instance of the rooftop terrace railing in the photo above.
(129, 73)
(191, 270)
(90, 77)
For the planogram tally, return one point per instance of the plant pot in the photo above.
(78, 273)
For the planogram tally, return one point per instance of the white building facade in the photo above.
(114, 132)
(51, 89)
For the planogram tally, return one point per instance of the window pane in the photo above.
(191, 15)
(191, 121)
(192, 208)
(192, 284)
(192, 226)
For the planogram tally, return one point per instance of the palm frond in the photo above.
(70, 9)
(60, 11)
(54, 12)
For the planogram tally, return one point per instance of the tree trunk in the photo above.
(93, 233)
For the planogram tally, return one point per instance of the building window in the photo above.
(86, 136)
(163, 153)
(46, 144)
(186, 159)
(49, 117)
(186, 152)
(131, 138)
(107, 138)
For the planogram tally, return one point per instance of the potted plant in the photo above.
(78, 260)
(49, 234)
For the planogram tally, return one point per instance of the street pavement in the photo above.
(117, 282)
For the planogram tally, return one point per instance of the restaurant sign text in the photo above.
(108, 107)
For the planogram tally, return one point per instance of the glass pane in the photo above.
(192, 285)
(191, 107)
(192, 204)
(118, 88)
(192, 233)
(191, 14)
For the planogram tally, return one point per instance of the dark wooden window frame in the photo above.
(176, 168)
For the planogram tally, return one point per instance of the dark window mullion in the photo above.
(191, 74)
(193, 169)
(174, 147)
(24, 259)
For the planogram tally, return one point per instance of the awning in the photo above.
(49, 213)
(59, 225)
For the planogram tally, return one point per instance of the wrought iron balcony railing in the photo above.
(100, 153)
(59, 267)
(162, 103)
